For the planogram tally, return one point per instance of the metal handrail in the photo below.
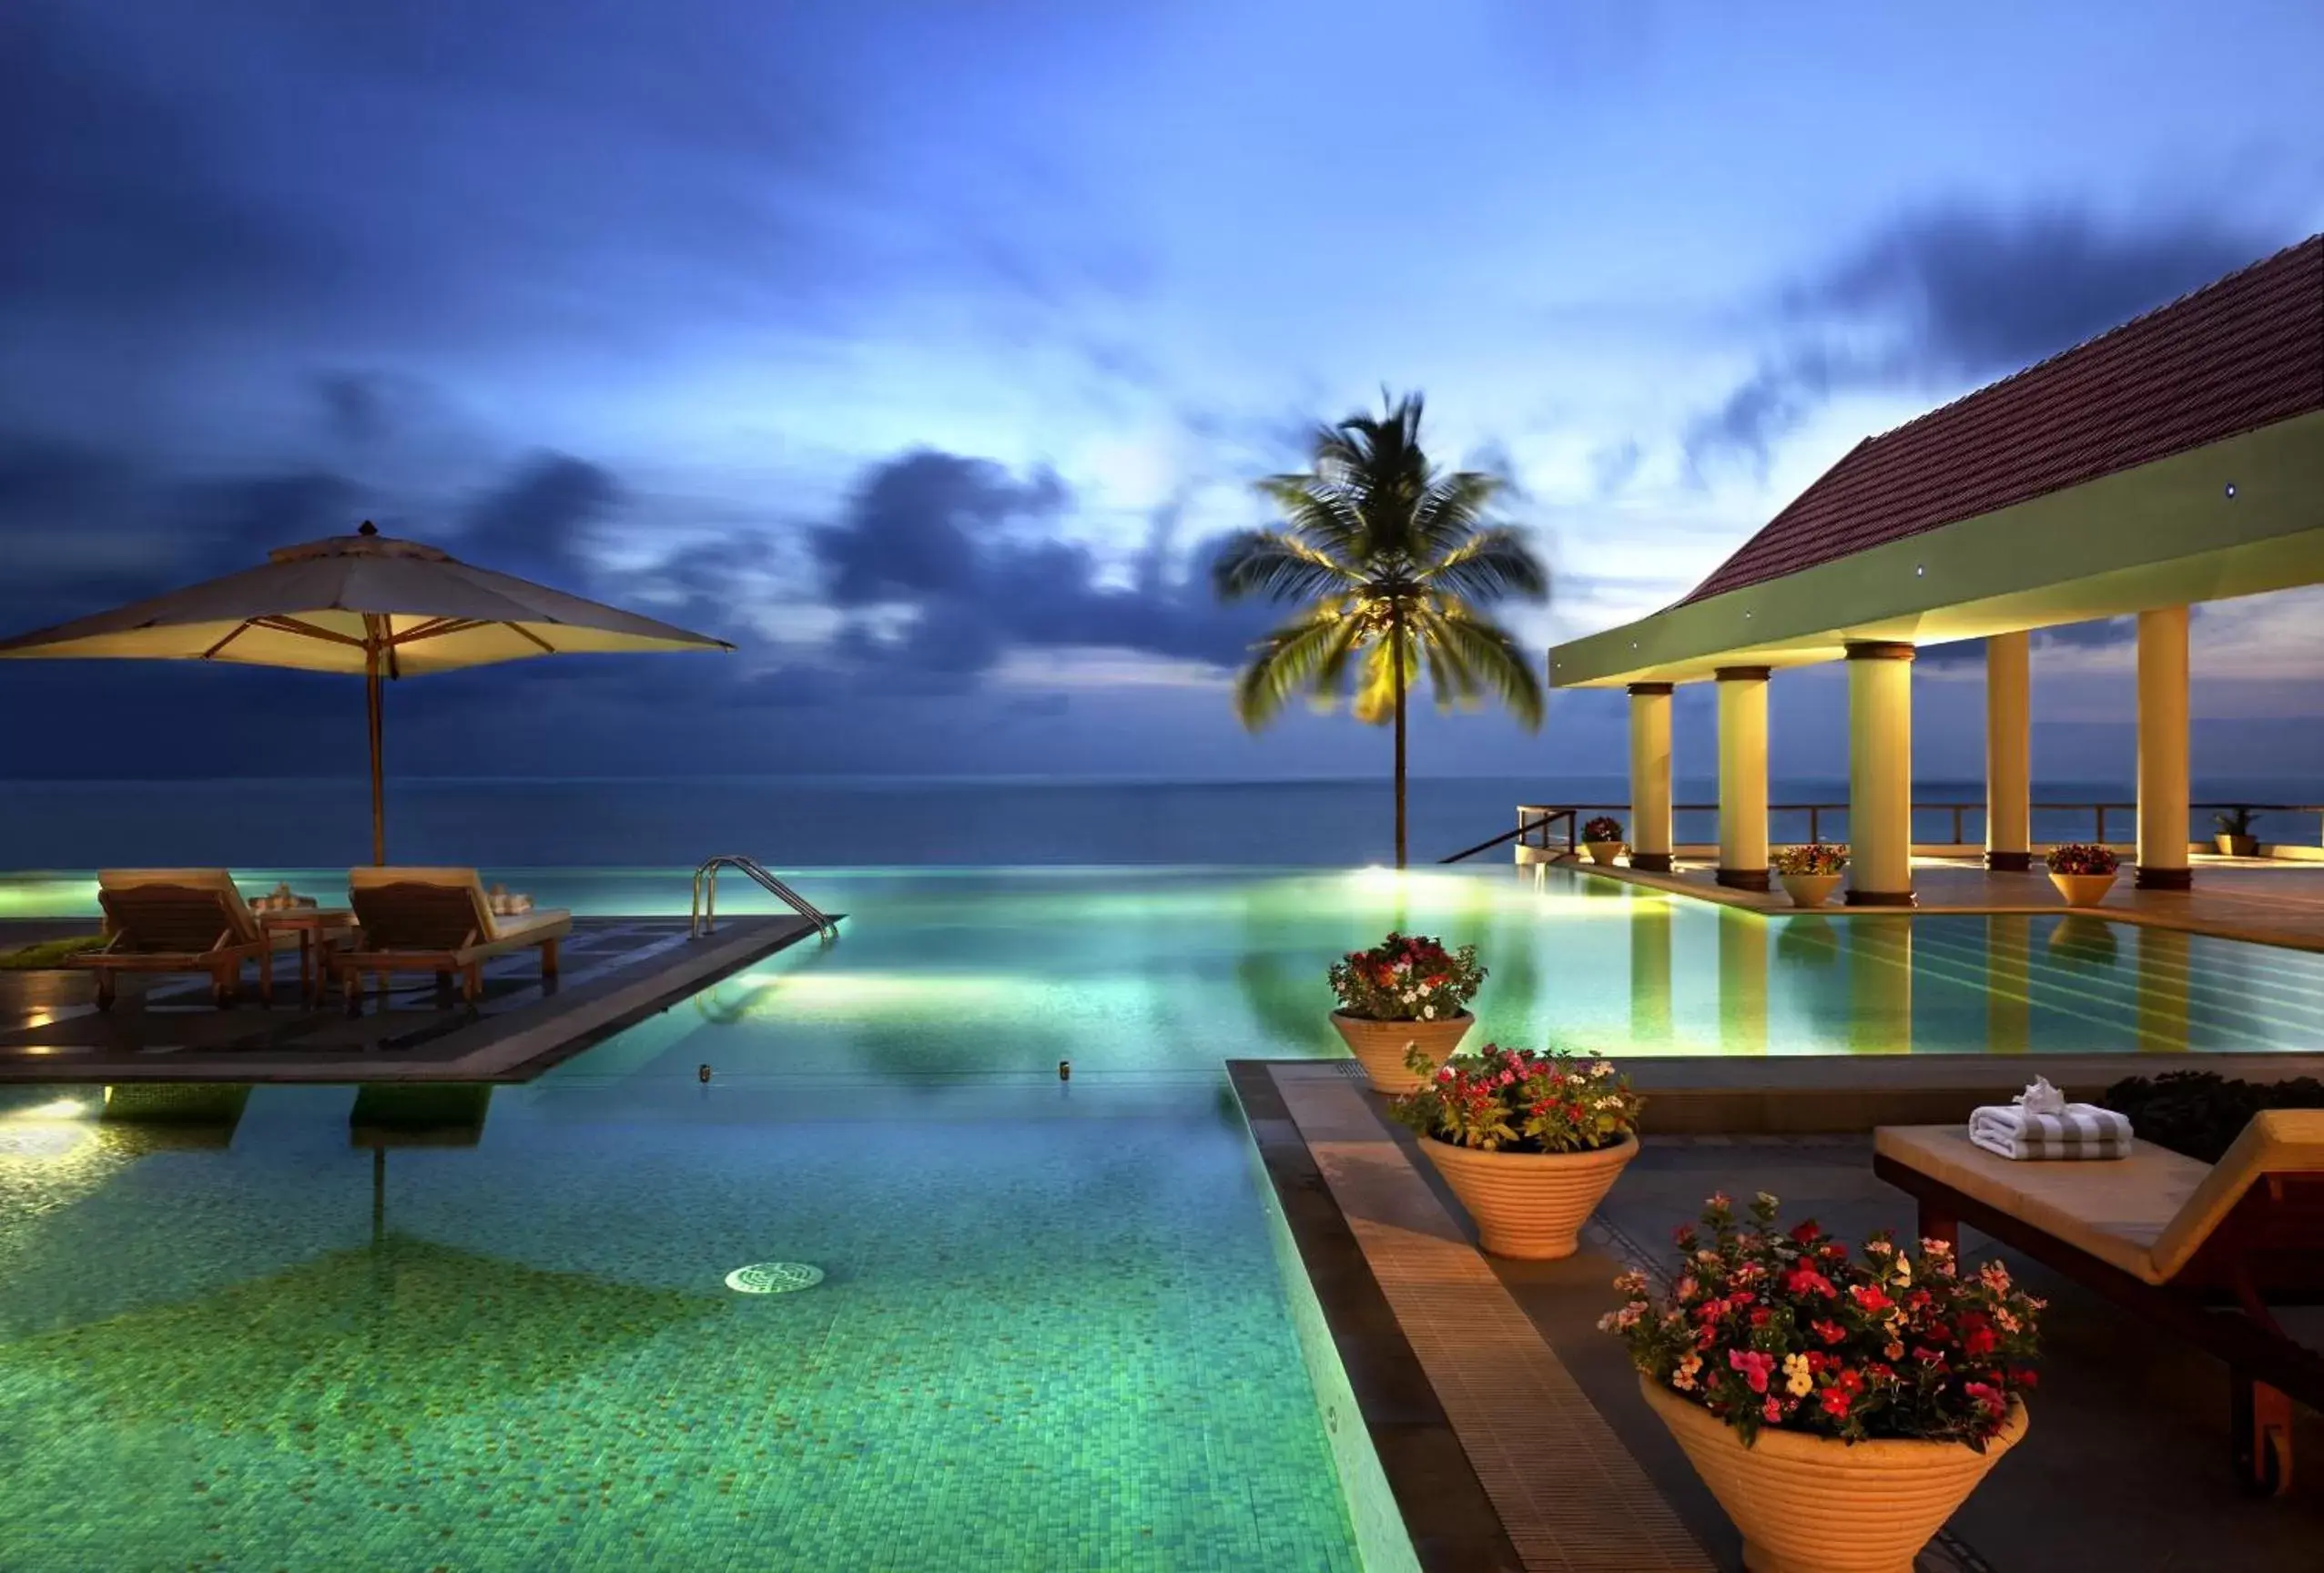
(1523, 829)
(1571, 812)
(705, 916)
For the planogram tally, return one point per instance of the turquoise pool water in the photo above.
(1052, 1331)
(1157, 971)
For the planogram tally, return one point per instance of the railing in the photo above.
(1523, 829)
(1534, 819)
(705, 896)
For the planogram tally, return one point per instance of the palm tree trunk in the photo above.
(1395, 662)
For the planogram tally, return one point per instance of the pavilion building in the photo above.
(2176, 459)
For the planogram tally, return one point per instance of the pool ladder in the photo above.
(705, 896)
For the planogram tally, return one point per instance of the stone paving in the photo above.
(2125, 1467)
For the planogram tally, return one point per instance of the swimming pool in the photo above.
(1148, 971)
(1051, 1329)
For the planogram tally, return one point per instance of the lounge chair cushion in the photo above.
(2276, 1141)
(2117, 1210)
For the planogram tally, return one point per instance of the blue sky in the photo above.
(924, 349)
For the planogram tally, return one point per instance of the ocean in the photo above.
(885, 821)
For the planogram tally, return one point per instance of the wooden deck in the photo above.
(616, 972)
(2255, 899)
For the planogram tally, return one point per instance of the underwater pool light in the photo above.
(60, 1109)
(773, 1277)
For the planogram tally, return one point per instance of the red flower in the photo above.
(1829, 1332)
(1869, 1297)
(1801, 1279)
(1760, 1314)
(1807, 1232)
(1835, 1402)
(1988, 1398)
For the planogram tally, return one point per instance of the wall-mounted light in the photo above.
(1919, 571)
(2230, 490)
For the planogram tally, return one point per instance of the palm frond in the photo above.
(1326, 517)
(1307, 656)
(1492, 657)
(1277, 565)
(1450, 509)
(1493, 564)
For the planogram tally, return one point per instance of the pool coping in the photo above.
(1452, 1523)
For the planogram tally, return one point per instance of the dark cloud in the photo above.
(1956, 294)
(922, 525)
(1981, 294)
(951, 564)
(537, 523)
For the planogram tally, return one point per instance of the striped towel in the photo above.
(2073, 1131)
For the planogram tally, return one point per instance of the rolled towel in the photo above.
(2076, 1131)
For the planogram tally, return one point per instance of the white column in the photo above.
(2162, 749)
(1743, 777)
(1650, 775)
(2009, 777)
(1880, 775)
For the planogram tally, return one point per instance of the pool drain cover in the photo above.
(773, 1277)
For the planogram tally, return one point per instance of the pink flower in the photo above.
(1772, 1412)
(1753, 1365)
(1988, 1398)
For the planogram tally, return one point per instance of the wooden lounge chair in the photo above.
(2195, 1247)
(179, 921)
(437, 920)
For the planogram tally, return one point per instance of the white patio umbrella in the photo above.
(360, 604)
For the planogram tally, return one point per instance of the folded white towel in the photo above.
(2076, 1131)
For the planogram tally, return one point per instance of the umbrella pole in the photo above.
(371, 698)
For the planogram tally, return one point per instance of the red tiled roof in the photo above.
(2233, 355)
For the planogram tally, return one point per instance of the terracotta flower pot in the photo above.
(1529, 1204)
(2083, 889)
(2236, 845)
(1380, 1046)
(1817, 1505)
(1810, 890)
(1603, 852)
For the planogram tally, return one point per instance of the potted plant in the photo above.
(1809, 873)
(1603, 837)
(1839, 1407)
(1529, 1142)
(1406, 995)
(2235, 838)
(2083, 872)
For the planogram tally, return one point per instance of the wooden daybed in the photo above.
(2197, 1248)
(436, 920)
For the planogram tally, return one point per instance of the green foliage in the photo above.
(2082, 857)
(1767, 1327)
(1814, 857)
(47, 953)
(1392, 559)
(1518, 1101)
(1406, 978)
(2201, 1112)
(2236, 821)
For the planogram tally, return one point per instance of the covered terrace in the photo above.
(2174, 460)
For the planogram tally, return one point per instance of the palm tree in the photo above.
(1391, 559)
